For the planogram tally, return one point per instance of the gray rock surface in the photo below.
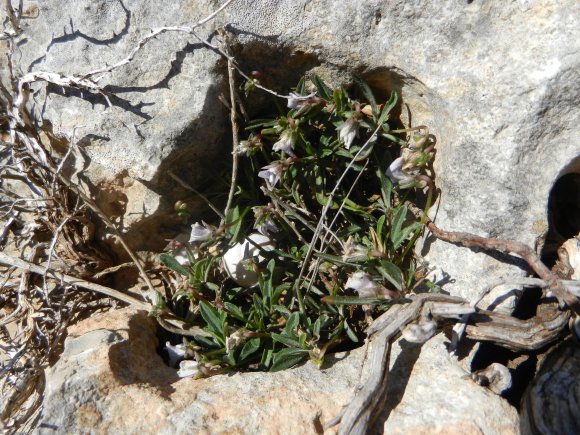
(496, 82)
(110, 379)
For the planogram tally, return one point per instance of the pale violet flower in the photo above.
(268, 228)
(294, 101)
(366, 287)
(176, 353)
(271, 174)
(397, 175)
(188, 368)
(286, 143)
(347, 132)
(199, 233)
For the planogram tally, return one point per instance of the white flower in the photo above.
(347, 132)
(396, 173)
(286, 143)
(188, 368)
(294, 101)
(199, 233)
(271, 174)
(176, 353)
(364, 285)
(237, 259)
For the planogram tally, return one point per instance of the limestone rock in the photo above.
(496, 82)
(497, 85)
(110, 379)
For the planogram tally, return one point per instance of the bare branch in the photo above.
(504, 246)
(233, 121)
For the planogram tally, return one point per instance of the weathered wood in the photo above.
(518, 335)
(550, 405)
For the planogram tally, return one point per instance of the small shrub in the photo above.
(316, 242)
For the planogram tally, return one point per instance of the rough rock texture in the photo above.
(497, 83)
(110, 380)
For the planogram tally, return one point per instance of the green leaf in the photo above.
(235, 311)
(396, 234)
(386, 186)
(366, 90)
(215, 320)
(302, 340)
(171, 263)
(285, 340)
(267, 357)
(234, 220)
(300, 87)
(350, 332)
(322, 88)
(387, 108)
(337, 97)
(265, 281)
(292, 323)
(287, 358)
(316, 328)
(399, 235)
(380, 225)
(282, 309)
(392, 273)
(335, 259)
(278, 292)
(250, 347)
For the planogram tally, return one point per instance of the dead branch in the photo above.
(506, 247)
(504, 330)
(518, 335)
(233, 121)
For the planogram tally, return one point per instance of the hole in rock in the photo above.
(563, 212)
(564, 223)
(281, 69)
(522, 365)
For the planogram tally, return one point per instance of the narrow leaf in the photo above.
(322, 88)
(367, 92)
(250, 347)
(171, 263)
(287, 358)
(235, 311)
(214, 321)
(354, 300)
(387, 108)
(392, 273)
(292, 323)
(285, 340)
(396, 226)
